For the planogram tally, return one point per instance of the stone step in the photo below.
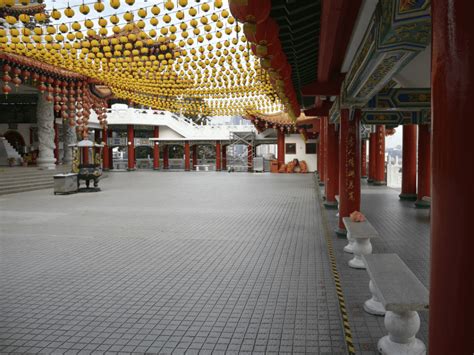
(28, 177)
(26, 181)
(4, 190)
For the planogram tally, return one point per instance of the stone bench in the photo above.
(358, 236)
(401, 294)
(203, 167)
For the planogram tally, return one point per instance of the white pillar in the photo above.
(69, 137)
(45, 121)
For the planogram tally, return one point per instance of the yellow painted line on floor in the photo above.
(336, 277)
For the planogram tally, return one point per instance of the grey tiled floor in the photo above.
(168, 262)
(404, 230)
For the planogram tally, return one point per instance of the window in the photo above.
(310, 148)
(290, 148)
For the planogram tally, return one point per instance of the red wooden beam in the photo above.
(329, 88)
(338, 18)
(322, 110)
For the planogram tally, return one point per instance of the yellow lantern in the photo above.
(115, 4)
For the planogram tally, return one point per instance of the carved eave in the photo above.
(397, 32)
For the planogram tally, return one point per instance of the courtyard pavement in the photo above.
(169, 263)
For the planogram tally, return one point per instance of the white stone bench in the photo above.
(402, 295)
(337, 199)
(203, 167)
(358, 236)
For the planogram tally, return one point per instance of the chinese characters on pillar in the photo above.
(351, 163)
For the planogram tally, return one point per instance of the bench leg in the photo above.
(362, 246)
(349, 248)
(373, 305)
(402, 328)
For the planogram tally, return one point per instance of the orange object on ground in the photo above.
(303, 167)
(282, 169)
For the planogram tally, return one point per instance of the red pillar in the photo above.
(105, 151)
(187, 153)
(363, 158)
(332, 176)
(250, 157)
(451, 326)
(281, 147)
(325, 148)
(424, 166)
(56, 142)
(195, 156)
(166, 162)
(379, 173)
(372, 155)
(156, 148)
(218, 156)
(409, 163)
(131, 147)
(224, 157)
(322, 143)
(349, 166)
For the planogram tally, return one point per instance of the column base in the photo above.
(422, 204)
(388, 347)
(363, 177)
(46, 164)
(156, 168)
(131, 169)
(321, 183)
(340, 232)
(105, 169)
(370, 181)
(380, 183)
(407, 197)
(330, 205)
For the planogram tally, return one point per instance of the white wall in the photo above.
(310, 159)
(168, 133)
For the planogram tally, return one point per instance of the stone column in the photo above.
(187, 164)
(218, 156)
(379, 173)
(69, 137)
(372, 156)
(424, 165)
(156, 148)
(409, 163)
(131, 147)
(363, 158)
(451, 326)
(105, 151)
(349, 166)
(56, 143)
(281, 147)
(45, 121)
(332, 176)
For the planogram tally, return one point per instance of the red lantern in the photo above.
(253, 11)
(264, 33)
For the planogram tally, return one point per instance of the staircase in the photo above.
(7, 151)
(20, 179)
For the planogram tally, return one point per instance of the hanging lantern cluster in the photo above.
(189, 57)
(262, 31)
